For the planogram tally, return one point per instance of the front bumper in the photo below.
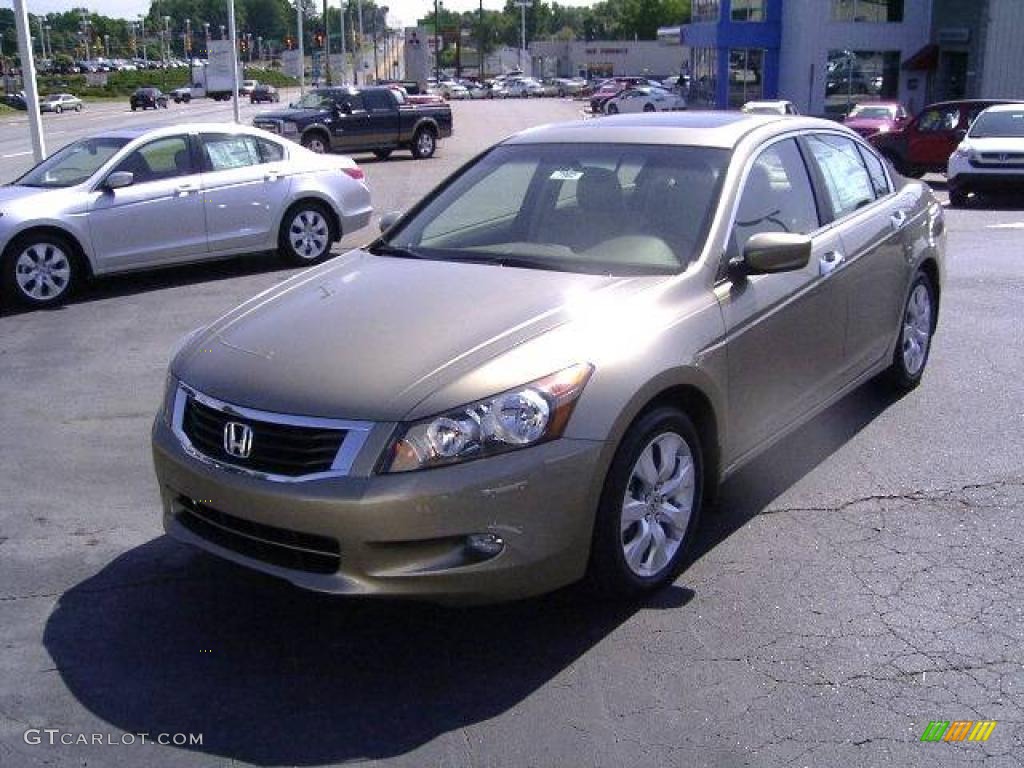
(396, 535)
(988, 181)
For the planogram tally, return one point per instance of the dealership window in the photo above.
(867, 10)
(747, 10)
(705, 10)
(704, 77)
(746, 75)
(855, 77)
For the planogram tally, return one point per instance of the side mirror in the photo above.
(769, 252)
(960, 134)
(345, 109)
(387, 221)
(119, 179)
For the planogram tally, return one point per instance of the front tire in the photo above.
(958, 197)
(915, 340)
(39, 270)
(612, 109)
(58, 109)
(306, 234)
(650, 506)
(649, 108)
(424, 143)
(382, 154)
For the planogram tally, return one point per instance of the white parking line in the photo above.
(1008, 225)
(15, 154)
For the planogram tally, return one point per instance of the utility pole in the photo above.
(302, 50)
(145, 55)
(42, 37)
(359, 11)
(523, 5)
(28, 76)
(480, 39)
(48, 40)
(341, 7)
(327, 48)
(234, 58)
(437, 42)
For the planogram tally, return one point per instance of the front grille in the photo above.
(998, 160)
(277, 449)
(267, 543)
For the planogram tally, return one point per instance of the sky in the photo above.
(403, 12)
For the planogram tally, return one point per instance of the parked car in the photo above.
(874, 117)
(264, 93)
(991, 156)
(644, 99)
(373, 119)
(449, 89)
(147, 98)
(570, 86)
(136, 198)
(16, 100)
(523, 87)
(778, 107)
(181, 95)
(60, 102)
(348, 431)
(246, 87)
(925, 143)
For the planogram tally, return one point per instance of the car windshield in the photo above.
(318, 99)
(1002, 124)
(592, 208)
(873, 113)
(73, 164)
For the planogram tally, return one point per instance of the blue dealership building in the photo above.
(823, 55)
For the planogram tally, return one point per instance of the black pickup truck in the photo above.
(350, 120)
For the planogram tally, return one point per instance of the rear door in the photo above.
(239, 191)
(159, 218)
(870, 221)
(784, 331)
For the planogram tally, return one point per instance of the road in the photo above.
(861, 580)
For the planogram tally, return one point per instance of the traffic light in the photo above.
(318, 38)
(289, 42)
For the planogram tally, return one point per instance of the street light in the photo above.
(145, 54)
(523, 5)
(206, 31)
(106, 45)
(221, 31)
(165, 48)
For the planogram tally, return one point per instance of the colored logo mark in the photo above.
(958, 730)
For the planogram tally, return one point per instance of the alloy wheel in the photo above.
(917, 329)
(43, 271)
(658, 504)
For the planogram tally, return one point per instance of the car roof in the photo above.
(710, 129)
(171, 130)
(1013, 106)
(971, 102)
(767, 103)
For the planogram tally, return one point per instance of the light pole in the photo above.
(341, 16)
(523, 5)
(221, 31)
(42, 38)
(359, 10)
(28, 76)
(234, 58)
(142, 25)
(259, 48)
(302, 49)
(186, 43)
(106, 45)
(48, 39)
(437, 42)
(206, 32)
(165, 48)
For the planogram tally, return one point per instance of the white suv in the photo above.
(991, 155)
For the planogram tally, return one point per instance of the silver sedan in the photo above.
(137, 199)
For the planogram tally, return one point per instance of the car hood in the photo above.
(369, 337)
(995, 144)
(867, 122)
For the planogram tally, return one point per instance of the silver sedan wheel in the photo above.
(309, 235)
(43, 271)
(658, 504)
(917, 329)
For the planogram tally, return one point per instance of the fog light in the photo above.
(485, 544)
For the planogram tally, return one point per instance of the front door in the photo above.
(784, 331)
(158, 218)
(933, 137)
(352, 127)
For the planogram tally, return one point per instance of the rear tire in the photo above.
(958, 197)
(382, 154)
(40, 270)
(315, 142)
(650, 506)
(424, 143)
(58, 109)
(917, 325)
(649, 108)
(612, 109)
(306, 234)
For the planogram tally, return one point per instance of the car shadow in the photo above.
(169, 640)
(995, 201)
(753, 488)
(166, 639)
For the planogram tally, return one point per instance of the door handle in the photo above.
(185, 189)
(272, 176)
(829, 261)
(898, 219)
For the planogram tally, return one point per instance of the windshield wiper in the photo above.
(510, 261)
(386, 249)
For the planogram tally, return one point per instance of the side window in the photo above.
(846, 179)
(355, 102)
(165, 158)
(377, 101)
(225, 151)
(776, 197)
(941, 119)
(876, 170)
(270, 151)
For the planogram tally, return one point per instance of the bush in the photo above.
(123, 84)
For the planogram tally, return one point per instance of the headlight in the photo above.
(289, 128)
(528, 415)
(884, 128)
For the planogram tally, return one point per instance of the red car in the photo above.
(877, 117)
(613, 87)
(925, 143)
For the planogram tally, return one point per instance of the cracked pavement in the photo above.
(863, 578)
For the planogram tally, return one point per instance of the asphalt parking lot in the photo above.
(860, 580)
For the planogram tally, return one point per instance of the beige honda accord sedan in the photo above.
(541, 371)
